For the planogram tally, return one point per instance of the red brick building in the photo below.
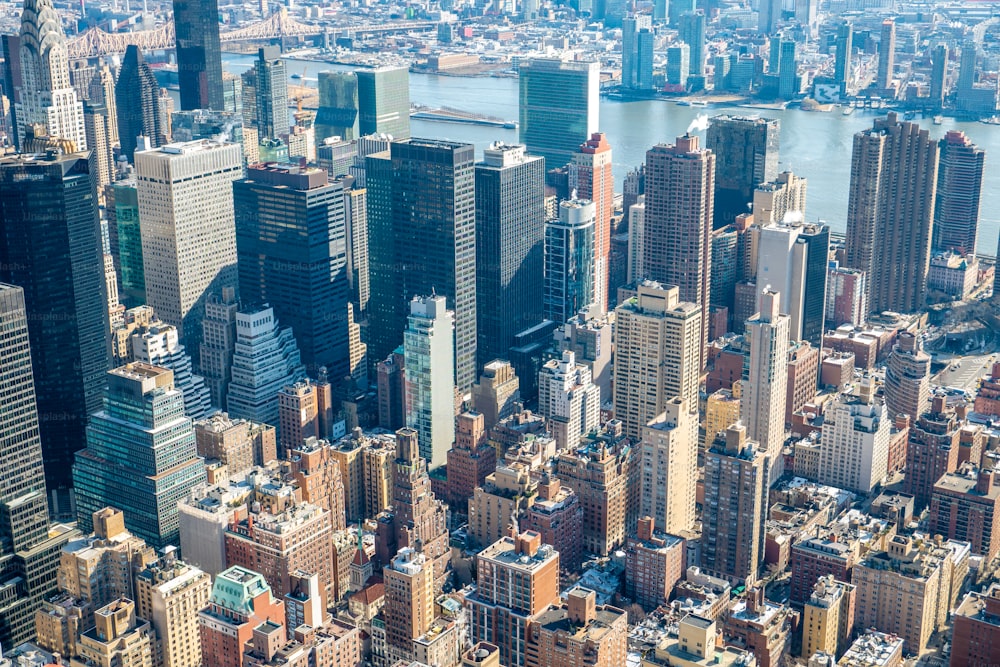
(965, 505)
(654, 563)
(932, 451)
(557, 516)
(470, 460)
(976, 637)
(241, 602)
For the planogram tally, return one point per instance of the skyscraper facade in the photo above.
(746, 155)
(384, 101)
(24, 515)
(590, 176)
(46, 95)
(677, 226)
(187, 226)
(271, 94)
(137, 103)
(691, 30)
(569, 261)
(50, 245)
(422, 240)
(337, 115)
(199, 54)
(765, 380)
(886, 54)
(939, 75)
(792, 260)
(890, 211)
(657, 348)
(842, 74)
(959, 188)
(559, 106)
(140, 456)
(669, 456)
(907, 377)
(291, 244)
(634, 64)
(510, 219)
(430, 378)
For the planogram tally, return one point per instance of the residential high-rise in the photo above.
(169, 594)
(568, 399)
(430, 384)
(828, 618)
(591, 178)
(199, 54)
(843, 74)
(422, 240)
(846, 296)
(691, 30)
(854, 453)
(518, 580)
(409, 601)
(291, 250)
(569, 260)
(558, 107)
(907, 377)
(25, 543)
(510, 218)
(677, 226)
(271, 94)
(186, 218)
(746, 155)
(139, 436)
(305, 411)
(265, 359)
(500, 503)
(939, 76)
(976, 636)
(45, 95)
(890, 211)
(384, 101)
(782, 200)
(634, 64)
(497, 392)
(418, 517)
(732, 545)
(241, 601)
(669, 456)
(792, 260)
(470, 460)
(599, 633)
(337, 115)
(137, 104)
(654, 564)
(678, 66)
(965, 505)
(50, 245)
(886, 54)
(118, 638)
(557, 515)
(657, 340)
(237, 443)
(931, 451)
(959, 188)
(765, 381)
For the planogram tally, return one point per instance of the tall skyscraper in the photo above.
(568, 399)
(271, 94)
(657, 348)
(559, 107)
(939, 74)
(691, 30)
(188, 234)
(765, 381)
(291, 249)
(409, 601)
(669, 460)
(732, 545)
(590, 176)
(788, 69)
(907, 377)
(959, 188)
(430, 377)
(855, 450)
(569, 261)
(746, 155)
(45, 96)
(97, 127)
(137, 103)
(677, 247)
(768, 16)
(894, 174)
(637, 33)
(792, 260)
(384, 101)
(140, 455)
(199, 54)
(157, 344)
(337, 115)
(510, 219)
(24, 514)
(50, 245)
(842, 72)
(782, 200)
(422, 240)
(886, 54)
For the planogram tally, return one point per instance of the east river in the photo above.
(815, 145)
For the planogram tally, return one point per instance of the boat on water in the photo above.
(698, 103)
(937, 120)
(848, 110)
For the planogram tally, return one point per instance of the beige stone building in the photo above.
(169, 594)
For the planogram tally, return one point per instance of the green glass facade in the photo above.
(384, 102)
(130, 274)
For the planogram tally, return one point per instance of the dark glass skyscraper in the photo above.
(842, 61)
(510, 220)
(291, 248)
(746, 155)
(50, 245)
(384, 101)
(28, 556)
(137, 103)
(338, 106)
(422, 240)
(271, 94)
(199, 54)
(817, 238)
(959, 188)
